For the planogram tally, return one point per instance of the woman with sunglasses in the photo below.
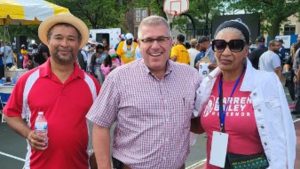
(243, 111)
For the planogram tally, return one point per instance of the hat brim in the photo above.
(63, 18)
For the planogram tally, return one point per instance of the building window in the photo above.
(140, 13)
(289, 29)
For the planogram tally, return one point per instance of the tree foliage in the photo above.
(96, 13)
(273, 12)
(112, 13)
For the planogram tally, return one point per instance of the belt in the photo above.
(127, 167)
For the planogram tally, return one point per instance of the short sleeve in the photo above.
(104, 109)
(276, 62)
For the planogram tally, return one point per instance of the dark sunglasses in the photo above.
(235, 45)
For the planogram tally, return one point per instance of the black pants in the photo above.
(117, 164)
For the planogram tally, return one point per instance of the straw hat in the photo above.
(63, 18)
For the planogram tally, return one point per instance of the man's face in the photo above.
(129, 41)
(204, 45)
(155, 44)
(63, 44)
(275, 48)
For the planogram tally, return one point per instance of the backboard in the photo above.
(176, 7)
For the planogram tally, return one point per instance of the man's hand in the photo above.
(36, 141)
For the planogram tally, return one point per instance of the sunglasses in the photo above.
(235, 45)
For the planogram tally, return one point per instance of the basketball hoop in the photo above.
(174, 8)
(170, 15)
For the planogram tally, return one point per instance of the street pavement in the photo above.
(13, 149)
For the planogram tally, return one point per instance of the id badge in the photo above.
(218, 149)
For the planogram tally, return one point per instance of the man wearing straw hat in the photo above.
(53, 89)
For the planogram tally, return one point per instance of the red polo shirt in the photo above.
(65, 106)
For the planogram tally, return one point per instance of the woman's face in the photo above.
(231, 60)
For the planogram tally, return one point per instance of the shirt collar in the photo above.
(170, 67)
(45, 70)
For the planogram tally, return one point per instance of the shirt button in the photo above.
(265, 144)
(259, 110)
(262, 127)
(254, 94)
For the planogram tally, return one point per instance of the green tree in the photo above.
(96, 13)
(273, 12)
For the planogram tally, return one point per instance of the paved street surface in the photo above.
(13, 149)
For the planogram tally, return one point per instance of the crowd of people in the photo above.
(155, 91)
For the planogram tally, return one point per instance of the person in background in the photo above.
(42, 55)
(295, 47)
(89, 51)
(106, 66)
(121, 38)
(193, 52)
(206, 54)
(187, 45)
(150, 104)
(34, 48)
(25, 55)
(296, 69)
(7, 55)
(258, 51)
(289, 75)
(109, 64)
(53, 88)
(96, 61)
(138, 53)
(242, 108)
(281, 51)
(1, 59)
(269, 60)
(203, 45)
(179, 52)
(114, 59)
(126, 49)
(105, 45)
(81, 59)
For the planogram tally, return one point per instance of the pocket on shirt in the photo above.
(273, 104)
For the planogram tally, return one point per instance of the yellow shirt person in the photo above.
(178, 52)
(126, 49)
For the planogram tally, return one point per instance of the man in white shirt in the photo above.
(8, 57)
(269, 60)
(193, 51)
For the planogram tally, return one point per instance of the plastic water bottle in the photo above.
(41, 126)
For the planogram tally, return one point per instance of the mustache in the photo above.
(66, 49)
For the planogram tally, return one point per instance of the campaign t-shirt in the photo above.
(240, 121)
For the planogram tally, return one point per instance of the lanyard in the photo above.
(222, 113)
